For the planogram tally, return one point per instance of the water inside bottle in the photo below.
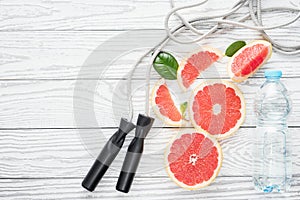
(272, 168)
(272, 156)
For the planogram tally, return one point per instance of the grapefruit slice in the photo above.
(248, 60)
(164, 106)
(193, 160)
(191, 68)
(217, 107)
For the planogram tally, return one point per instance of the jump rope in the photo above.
(144, 121)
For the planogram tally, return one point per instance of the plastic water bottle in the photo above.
(272, 155)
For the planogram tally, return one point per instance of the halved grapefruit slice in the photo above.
(248, 60)
(217, 107)
(163, 104)
(190, 68)
(193, 160)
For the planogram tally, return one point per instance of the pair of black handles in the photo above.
(111, 150)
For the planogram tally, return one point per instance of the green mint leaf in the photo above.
(166, 65)
(234, 47)
(183, 108)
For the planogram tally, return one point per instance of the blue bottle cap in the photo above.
(273, 73)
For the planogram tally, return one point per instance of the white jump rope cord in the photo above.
(171, 34)
(213, 19)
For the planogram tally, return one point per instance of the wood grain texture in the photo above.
(50, 104)
(104, 14)
(152, 188)
(45, 153)
(91, 14)
(55, 153)
(61, 55)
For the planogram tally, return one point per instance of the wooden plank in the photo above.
(61, 153)
(61, 55)
(154, 188)
(105, 14)
(50, 163)
(53, 104)
(91, 14)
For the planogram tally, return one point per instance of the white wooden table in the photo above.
(43, 45)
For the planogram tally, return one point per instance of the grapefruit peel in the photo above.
(242, 109)
(159, 109)
(262, 60)
(192, 70)
(216, 170)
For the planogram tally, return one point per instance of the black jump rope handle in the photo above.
(134, 153)
(107, 155)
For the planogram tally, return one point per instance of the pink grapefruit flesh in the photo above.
(193, 160)
(164, 106)
(248, 60)
(217, 107)
(191, 68)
